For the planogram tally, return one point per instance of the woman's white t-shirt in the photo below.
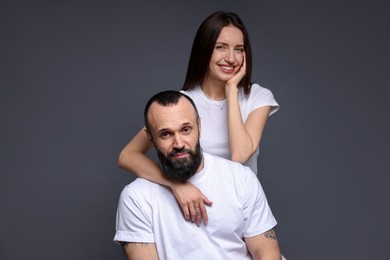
(214, 137)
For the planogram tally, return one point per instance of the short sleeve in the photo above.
(260, 97)
(258, 216)
(133, 224)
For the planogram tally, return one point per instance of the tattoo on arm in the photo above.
(270, 234)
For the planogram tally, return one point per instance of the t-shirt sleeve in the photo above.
(133, 223)
(261, 97)
(258, 216)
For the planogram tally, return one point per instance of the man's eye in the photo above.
(165, 135)
(187, 130)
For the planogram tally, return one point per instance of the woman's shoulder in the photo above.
(256, 91)
(256, 88)
(190, 92)
(258, 97)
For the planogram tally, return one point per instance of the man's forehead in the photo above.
(175, 115)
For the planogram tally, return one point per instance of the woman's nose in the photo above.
(230, 57)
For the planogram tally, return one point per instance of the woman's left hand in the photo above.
(235, 80)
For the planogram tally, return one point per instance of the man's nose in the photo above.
(177, 141)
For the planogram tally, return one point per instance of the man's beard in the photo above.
(180, 169)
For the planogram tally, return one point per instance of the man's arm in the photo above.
(264, 246)
(139, 251)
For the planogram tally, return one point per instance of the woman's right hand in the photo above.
(192, 202)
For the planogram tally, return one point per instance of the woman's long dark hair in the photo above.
(204, 44)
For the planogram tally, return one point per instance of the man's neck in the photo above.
(201, 166)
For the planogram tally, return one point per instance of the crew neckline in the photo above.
(200, 175)
(210, 100)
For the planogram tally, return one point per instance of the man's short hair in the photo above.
(166, 98)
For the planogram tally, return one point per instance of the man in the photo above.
(150, 224)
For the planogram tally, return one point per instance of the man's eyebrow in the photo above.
(163, 130)
(170, 130)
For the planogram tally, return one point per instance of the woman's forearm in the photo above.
(133, 159)
(240, 141)
(142, 167)
(244, 138)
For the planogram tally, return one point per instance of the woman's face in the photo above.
(228, 54)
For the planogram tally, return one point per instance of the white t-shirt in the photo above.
(148, 212)
(214, 137)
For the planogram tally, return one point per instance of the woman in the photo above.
(233, 111)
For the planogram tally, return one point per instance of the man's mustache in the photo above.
(176, 151)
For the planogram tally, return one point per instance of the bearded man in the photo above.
(150, 224)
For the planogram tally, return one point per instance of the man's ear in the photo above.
(149, 136)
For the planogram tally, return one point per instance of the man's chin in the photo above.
(180, 161)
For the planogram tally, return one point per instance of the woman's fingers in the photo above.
(202, 215)
(193, 213)
(186, 212)
(207, 201)
(192, 202)
(197, 213)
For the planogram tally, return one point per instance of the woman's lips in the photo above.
(227, 69)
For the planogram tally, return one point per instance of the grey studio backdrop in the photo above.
(74, 80)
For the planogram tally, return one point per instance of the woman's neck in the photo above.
(214, 90)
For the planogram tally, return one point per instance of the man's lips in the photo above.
(180, 155)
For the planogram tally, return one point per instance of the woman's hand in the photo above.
(192, 202)
(235, 80)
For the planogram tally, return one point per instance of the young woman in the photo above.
(233, 111)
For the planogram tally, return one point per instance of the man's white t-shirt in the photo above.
(148, 212)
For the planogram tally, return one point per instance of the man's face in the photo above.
(175, 133)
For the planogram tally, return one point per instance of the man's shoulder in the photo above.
(142, 183)
(141, 188)
(223, 162)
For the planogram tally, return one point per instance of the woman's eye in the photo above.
(240, 50)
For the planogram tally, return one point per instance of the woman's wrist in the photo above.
(231, 92)
(173, 184)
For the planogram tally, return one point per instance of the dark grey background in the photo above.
(74, 80)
